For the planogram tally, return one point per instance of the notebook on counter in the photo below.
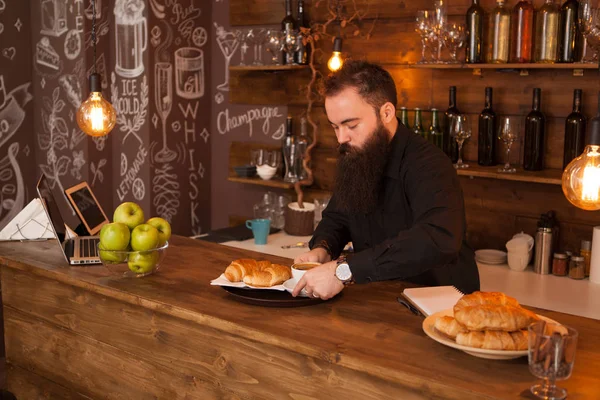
(429, 300)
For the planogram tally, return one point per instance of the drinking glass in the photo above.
(258, 157)
(243, 47)
(275, 45)
(508, 132)
(454, 39)
(551, 357)
(290, 45)
(588, 25)
(251, 39)
(424, 26)
(460, 131)
(274, 159)
(261, 36)
(440, 17)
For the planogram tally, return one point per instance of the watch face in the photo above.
(343, 272)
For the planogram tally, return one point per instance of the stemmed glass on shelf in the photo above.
(424, 27)
(589, 25)
(508, 133)
(460, 130)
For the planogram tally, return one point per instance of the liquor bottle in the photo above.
(499, 34)
(288, 26)
(487, 132)
(436, 135)
(289, 153)
(574, 131)
(547, 21)
(522, 32)
(404, 117)
(303, 51)
(535, 130)
(301, 146)
(569, 37)
(451, 112)
(475, 16)
(418, 125)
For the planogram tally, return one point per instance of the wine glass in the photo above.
(440, 17)
(290, 42)
(275, 45)
(424, 26)
(460, 131)
(243, 47)
(454, 39)
(551, 357)
(508, 132)
(251, 40)
(588, 25)
(260, 37)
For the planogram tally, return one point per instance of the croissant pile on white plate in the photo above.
(488, 320)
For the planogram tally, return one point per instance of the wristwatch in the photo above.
(343, 272)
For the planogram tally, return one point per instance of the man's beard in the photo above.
(360, 173)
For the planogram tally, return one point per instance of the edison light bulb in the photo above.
(581, 179)
(96, 116)
(336, 61)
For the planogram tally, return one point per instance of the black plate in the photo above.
(269, 298)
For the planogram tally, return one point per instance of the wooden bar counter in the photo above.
(79, 333)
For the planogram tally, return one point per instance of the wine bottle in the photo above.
(303, 51)
(288, 26)
(418, 125)
(404, 117)
(535, 130)
(451, 112)
(499, 34)
(522, 32)
(574, 131)
(289, 153)
(570, 39)
(547, 22)
(487, 132)
(436, 136)
(475, 15)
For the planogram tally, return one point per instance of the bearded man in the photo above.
(396, 197)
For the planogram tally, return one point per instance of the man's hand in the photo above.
(320, 282)
(318, 254)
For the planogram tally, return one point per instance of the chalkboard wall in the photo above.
(154, 59)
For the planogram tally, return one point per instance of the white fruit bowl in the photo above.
(133, 264)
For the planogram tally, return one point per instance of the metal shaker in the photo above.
(543, 251)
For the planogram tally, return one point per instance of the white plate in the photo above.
(490, 256)
(429, 329)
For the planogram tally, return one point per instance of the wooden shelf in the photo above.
(274, 183)
(547, 176)
(267, 68)
(522, 68)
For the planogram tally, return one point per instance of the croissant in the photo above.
(485, 298)
(257, 273)
(449, 326)
(494, 318)
(494, 340)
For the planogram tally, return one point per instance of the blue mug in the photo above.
(260, 229)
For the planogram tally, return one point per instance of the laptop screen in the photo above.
(88, 207)
(56, 220)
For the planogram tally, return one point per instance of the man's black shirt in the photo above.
(417, 232)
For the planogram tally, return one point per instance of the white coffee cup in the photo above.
(299, 269)
(518, 260)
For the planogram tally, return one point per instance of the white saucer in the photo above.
(290, 284)
(490, 256)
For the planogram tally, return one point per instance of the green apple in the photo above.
(130, 214)
(111, 257)
(114, 236)
(143, 262)
(163, 227)
(144, 237)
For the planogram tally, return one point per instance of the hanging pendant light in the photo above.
(96, 116)
(581, 178)
(336, 61)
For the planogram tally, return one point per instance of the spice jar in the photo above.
(560, 264)
(586, 253)
(577, 267)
